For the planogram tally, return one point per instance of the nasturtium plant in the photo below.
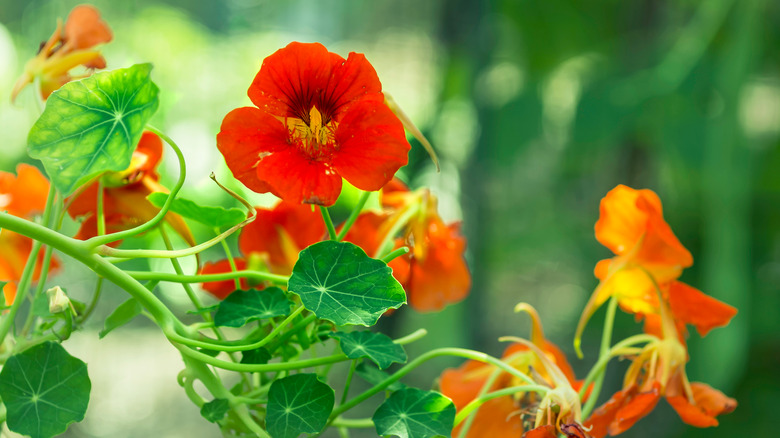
(44, 389)
(212, 217)
(92, 126)
(339, 282)
(123, 314)
(376, 346)
(215, 410)
(256, 356)
(375, 376)
(240, 307)
(298, 404)
(414, 413)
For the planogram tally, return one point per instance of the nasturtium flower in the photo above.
(22, 195)
(221, 289)
(124, 195)
(318, 118)
(65, 50)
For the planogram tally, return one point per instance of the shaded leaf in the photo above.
(298, 404)
(257, 356)
(212, 217)
(339, 282)
(375, 376)
(44, 390)
(375, 346)
(215, 410)
(121, 316)
(240, 307)
(93, 125)
(414, 413)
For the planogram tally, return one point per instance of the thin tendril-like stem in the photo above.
(353, 216)
(328, 223)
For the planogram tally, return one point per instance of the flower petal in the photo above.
(25, 193)
(84, 28)
(622, 411)
(547, 431)
(221, 289)
(708, 404)
(692, 306)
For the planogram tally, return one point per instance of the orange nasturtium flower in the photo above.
(510, 416)
(271, 242)
(319, 118)
(124, 195)
(67, 49)
(23, 195)
(647, 253)
(659, 371)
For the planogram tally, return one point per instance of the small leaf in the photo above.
(298, 404)
(93, 125)
(257, 356)
(240, 307)
(414, 413)
(121, 316)
(44, 390)
(212, 217)
(375, 376)
(375, 346)
(339, 282)
(215, 410)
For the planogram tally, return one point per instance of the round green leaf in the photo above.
(240, 307)
(339, 282)
(212, 217)
(44, 390)
(298, 404)
(215, 410)
(375, 346)
(93, 125)
(414, 413)
(256, 356)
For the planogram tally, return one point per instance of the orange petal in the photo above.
(692, 306)
(25, 194)
(620, 412)
(85, 29)
(708, 404)
(221, 289)
(547, 431)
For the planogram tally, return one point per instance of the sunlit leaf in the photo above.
(93, 125)
(339, 282)
(298, 404)
(44, 389)
(414, 413)
(121, 316)
(215, 410)
(240, 307)
(375, 346)
(212, 217)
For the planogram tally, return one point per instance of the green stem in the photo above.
(464, 431)
(397, 253)
(353, 216)
(103, 240)
(604, 350)
(201, 278)
(328, 223)
(599, 366)
(229, 255)
(95, 298)
(458, 352)
(477, 402)
(358, 423)
(348, 382)
(387, 241)
(101, 214)
(260, 368)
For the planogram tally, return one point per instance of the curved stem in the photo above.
(201, 278)
(397, 253)
(604, 350)
(598, 367)
(328, 223)
(477, 402)
(260, 368)
(353, 216)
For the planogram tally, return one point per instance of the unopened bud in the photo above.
(58, 300)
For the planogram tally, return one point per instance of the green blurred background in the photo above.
(537, 108)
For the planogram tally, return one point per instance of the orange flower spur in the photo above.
(319, 118)
(23, 195)
(124, 195)
(65, 50)
(647, 253)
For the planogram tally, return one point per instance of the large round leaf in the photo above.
(93, 125)
(298, 404)
(44, 390)
(414, 413)
(339, 282)
(376, 346)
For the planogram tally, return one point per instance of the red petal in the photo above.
(352, 80)
(692, 306)
(372, 145)
(245, 136)
(151, 148)
(221, 289)
(547, 431)
(296, 178)
(621, 411)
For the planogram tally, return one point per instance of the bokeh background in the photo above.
(537, 108)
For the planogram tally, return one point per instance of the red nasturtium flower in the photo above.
(67, 49)
(23, 195)
(124, 195)
(508, 416)
(319, 118)
(271, 242)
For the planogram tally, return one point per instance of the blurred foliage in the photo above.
(537, 108)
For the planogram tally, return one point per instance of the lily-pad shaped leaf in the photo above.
(240, 307)
(215, 410)
(375, 346)
(93, 125)
(121, 316)
(212, 217)
(258, 356)
(375, 376)
(44, 389)
(414, 413)
(298, 404)
(339, 282)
